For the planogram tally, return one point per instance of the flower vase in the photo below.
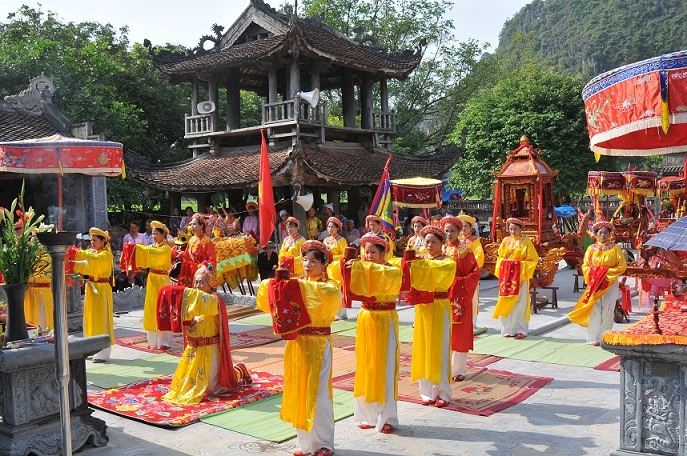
(15, 328)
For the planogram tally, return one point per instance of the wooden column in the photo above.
(354, 204)
(233, 100)
(174, 201)
(315, 79)
(213, 94)
(194, 96)
(272, 85)
(384, 94)
(348, 100)
(333, 198)
(366, 103)
(294, 76)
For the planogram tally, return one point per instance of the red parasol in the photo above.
(639, 109)
(57, 154)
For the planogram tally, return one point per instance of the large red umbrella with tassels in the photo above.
(640, 108)
(58, 154)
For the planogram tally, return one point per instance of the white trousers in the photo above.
(601, 317)
(322, 433)
(459, 363)
(515, 322)
(430, 391)
(158, 339)
(374, 413)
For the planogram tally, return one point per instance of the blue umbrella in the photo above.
(565, 211)
(673, 237)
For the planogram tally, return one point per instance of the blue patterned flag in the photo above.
(381, 204)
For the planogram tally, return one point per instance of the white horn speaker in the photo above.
(312, 97)
(304, 201)
(206, 107)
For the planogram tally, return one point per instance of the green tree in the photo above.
(542, 104)
(429, 101)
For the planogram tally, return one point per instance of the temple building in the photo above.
(289, 62)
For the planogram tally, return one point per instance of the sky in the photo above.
(184, 22)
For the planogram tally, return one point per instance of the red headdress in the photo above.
(335, 221)
(435, 231)
(371, 238)
(420, 219)
(602, 224)
(201, 219)
(515, 221)
(451, 220)
(208, 271)
(294, 220)
(319, 246)
(376, 218)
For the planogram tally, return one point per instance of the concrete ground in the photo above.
(575, 414)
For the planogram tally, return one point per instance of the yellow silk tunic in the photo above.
(434, 275)
(416, 243)
(520, 249)
(476, 247)
(40, 291)
(158, 258)
(292, 248)
(303, 355)
(191, 380)
(382, 282)
(598, 255)
(97, 305)
(338, 248)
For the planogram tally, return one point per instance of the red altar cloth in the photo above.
(673, 324)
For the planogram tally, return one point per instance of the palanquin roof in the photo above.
(338, 165)
(313, 40)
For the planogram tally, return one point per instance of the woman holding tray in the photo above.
(376, 284)
(603, 264)
(308, 397)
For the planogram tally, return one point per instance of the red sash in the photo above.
(287, 307)
(169, 302)
(287, 263)
(69, 258)
(509, 278)
(413, 296)
(127, 261)
(596, 281)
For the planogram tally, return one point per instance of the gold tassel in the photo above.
(664, 116)
(123, 170)
(597, 157)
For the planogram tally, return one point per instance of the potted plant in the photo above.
(21, 256)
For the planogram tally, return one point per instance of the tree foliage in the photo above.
(540, 103)
(429, 101)
(589, 38)
(98, 77)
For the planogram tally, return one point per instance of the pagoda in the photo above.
(288, 61)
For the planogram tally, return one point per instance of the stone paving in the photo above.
(575, 414)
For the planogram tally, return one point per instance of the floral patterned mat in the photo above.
(142, 400)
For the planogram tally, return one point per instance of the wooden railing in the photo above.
(384, 121)
(199, 124)
(292, 110)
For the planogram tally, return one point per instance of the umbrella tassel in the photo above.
(663, 79)
(123, 170)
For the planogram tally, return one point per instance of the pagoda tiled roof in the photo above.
(345, 165)
(308, 35)
(20, 126)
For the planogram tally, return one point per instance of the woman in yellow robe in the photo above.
(336, 245)
(157, 257)
(38, 303)
(98, 264)
(431, 362)
(467, 236)
(205, 367)
(603, 264)
(376, 337)
(307, 400)
(516, 252)
(290, 250)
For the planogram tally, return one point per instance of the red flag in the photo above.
(267, 212)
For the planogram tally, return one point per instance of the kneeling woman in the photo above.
(377, 285)
(308, 397)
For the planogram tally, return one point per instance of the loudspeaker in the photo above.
(312, 97)
(304, 201)
(206, 107)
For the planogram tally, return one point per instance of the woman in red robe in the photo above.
(200, 248)
(460, 295)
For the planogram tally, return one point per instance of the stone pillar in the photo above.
(384, 94)
(348, 100)
(294, 76)
(315, 79)
(354, 204)
(98, 197)
(366, 103)
(233, 100)
(272, 84)
(333, 198)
